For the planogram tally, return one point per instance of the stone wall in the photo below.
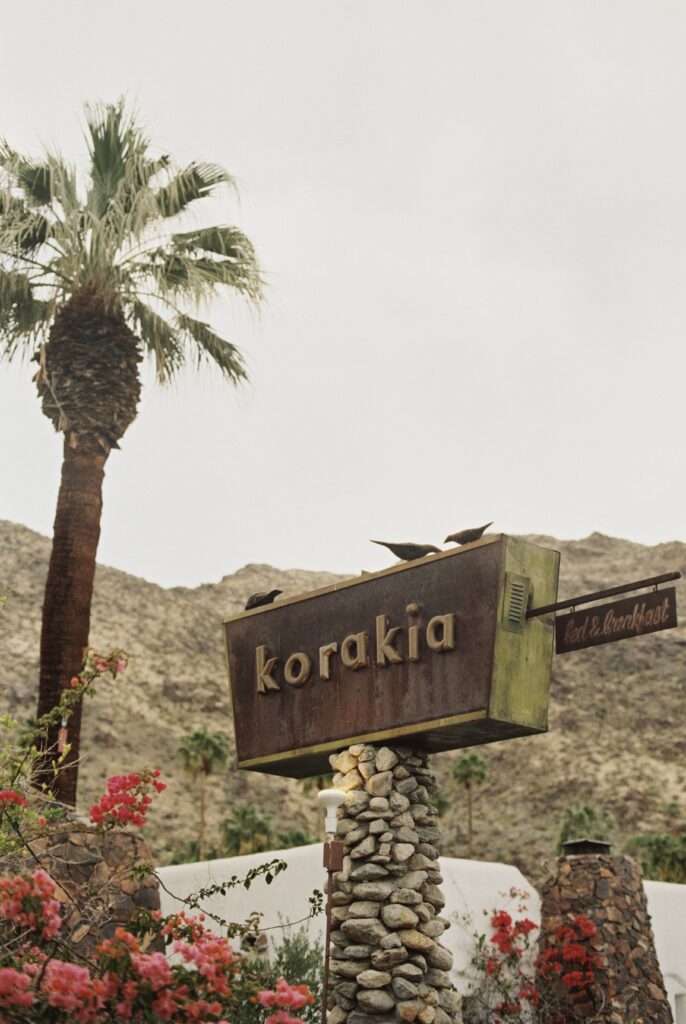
(387, 962)
(93, 872)
(609, 891)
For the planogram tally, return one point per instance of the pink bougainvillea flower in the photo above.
(13, 988)
(28, 902)
(127, 799)
(285, 995)
(283, 1017)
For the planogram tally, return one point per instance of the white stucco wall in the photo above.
(470, 888)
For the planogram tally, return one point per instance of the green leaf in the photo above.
(221, 239)
(196, 181)
(160, 338)
(210, 346)
(22, 315)
(22, 229)
(115, 144)
(33, 176)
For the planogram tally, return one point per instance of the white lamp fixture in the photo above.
(330, 800)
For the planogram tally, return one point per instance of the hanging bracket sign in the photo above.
(616, 620)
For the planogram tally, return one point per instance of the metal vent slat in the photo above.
(515, 603)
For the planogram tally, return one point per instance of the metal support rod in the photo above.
(624, 588)
(327, 946)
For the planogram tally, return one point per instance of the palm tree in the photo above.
(662, 856)
(441, 801)
(95, 274)
(201, 753)
(246, 832)
(293, 837)
(583, 821)
(470, 771)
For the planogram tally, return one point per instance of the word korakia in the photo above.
(354, 651)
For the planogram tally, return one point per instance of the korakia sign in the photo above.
(437, 651)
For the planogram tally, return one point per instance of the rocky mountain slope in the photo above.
(616, 736)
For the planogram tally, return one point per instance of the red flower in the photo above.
(503, 941)
(574, 979)
(586, 927)
(531, 994)
(10, 796)
(501, 920)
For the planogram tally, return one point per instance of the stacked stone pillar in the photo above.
(609, 891)
(387, 963)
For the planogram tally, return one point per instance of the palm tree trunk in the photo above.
(67, 602)
(201, 837)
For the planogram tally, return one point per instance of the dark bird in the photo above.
(467, 536)
(408, 551)
(262, 597)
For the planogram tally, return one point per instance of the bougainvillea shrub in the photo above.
(513, 980)
(44, 979)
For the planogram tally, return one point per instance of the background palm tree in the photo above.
(470, 771)
(584, 821)
(662, 856)
(200, 754)
(245, 831)
(95, 273)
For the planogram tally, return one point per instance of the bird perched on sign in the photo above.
(467, 536)
(408, 551)
(262, 597)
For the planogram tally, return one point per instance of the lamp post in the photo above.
(330, 800)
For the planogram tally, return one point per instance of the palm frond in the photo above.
(222, 239)
(163, 341)
(22, 229)
(34, 177)
(64, 184)
(115, 142)
(209, 345)
(188, 274)
(22, 315)
(135, 195)
(196, 181)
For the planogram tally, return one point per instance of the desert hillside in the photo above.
(616, 735)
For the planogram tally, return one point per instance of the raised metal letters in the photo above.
(385, 638)
(297, 669)
(445, 641)
(263, 671)
(440, 637)
(354, 651)
(325, 654)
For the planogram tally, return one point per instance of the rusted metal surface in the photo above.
(410, 652)
(333, 861)
(333, 855)
(598, 595)
(616, 620)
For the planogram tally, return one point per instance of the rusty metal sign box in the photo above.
(436, 653)
(616, 620)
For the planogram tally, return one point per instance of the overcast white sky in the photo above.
(471, 216)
